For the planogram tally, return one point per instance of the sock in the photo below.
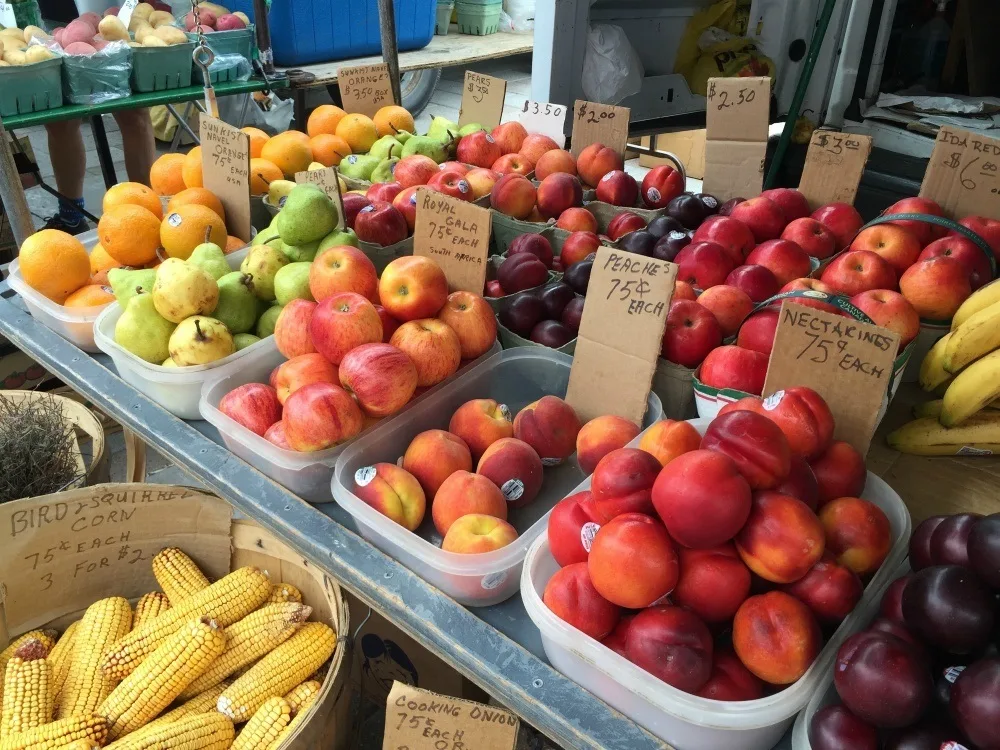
(69, 210)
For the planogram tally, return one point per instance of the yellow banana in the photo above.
(978, 436)
(932, 372)
(973, 388)
(977, 336)
(979, 300)
(933, 408)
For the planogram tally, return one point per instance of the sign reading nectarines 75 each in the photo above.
(736, 120)
(326, 179)
(365, 89)
(963, 174)
(620, 335)
(849, 363)
(834, 165)
(599, 123)
(482, 100)
(225, 166)
(456, 235)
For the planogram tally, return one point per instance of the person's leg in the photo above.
(137, 142)
(69, 163)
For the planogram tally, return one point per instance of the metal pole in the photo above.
(390, 53)
(263, 36)
(15, 205)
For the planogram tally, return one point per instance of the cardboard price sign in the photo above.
(418, 719)
(365, 89)
(482, 100)
(455, 234)
(326, 179)
(545, 118)
(620, 335)
(125, 14)
(599, 123)
(963, 174)
(834, 165)
(7, 18)
(225, 165)
(736, 119)
(849, 363)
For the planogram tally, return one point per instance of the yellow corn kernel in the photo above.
(27, 697)
(149, 606)
(284, 592)
(59, 658)
(103, 623)
(200, 704)
(302, 694)
(162, 676)
(251, 638)
(299, 717)
(57, 734)
(177, 574)
(81, 745)
(210, 731)
(226, 601)
(285, 667)
(265, 725)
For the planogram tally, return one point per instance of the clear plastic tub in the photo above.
(515, 377)
(308, 475)
(686, 721)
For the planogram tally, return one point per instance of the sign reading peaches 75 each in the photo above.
(620, 335)
(455, 235)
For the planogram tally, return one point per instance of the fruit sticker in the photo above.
(494, 580)
(364, 475)
(512, 489)
(587, 533)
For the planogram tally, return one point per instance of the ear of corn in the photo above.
(46, 637)
(103, 623)
(226, 601)
(281, 670)
(210, 731)
(284, 592)
(149, 606)
(303, 694)
(59, 658)
(200, 704)
(251, 638)
(265, 726)
(27, 696)
(81, 745)
(177, 574)
(56, 734)
(161, 677)
(299, 714)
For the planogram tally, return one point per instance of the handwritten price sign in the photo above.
(736, 119)
(963, 174)
(599, 123)
(456, 235)
(365, 89)
(834, 166)
(724, 99)
(482, 100)
(7, 18)
(225, 163)
(545, 118)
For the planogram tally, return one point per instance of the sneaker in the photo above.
(58, 222)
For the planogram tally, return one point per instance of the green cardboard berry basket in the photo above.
(162, 68)
(101, 77)
(479, 19)
(31, 88)
(242, 42)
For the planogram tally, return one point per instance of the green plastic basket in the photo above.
(97, 78)
(240, 42)
(161, 68)
(30, 88)
(443, 18)
(478, 19)
(27, 13)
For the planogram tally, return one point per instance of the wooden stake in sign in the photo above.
(225, 166)
(620, 335)
(455, 234)
(963, 174)
(482, 100)
(326, 179)
(365, 89)
(736, 120)
(834, 165)
(849, 363)
(599, 123)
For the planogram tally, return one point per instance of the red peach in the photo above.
(577, 219)
(617, 639)
(857, 533)
(550, 426)
(776, 637)
(578, 245)
(782, 539)
(801, 483)
(840, 472)
(683, 290)
(556, 193)
(480, 423)
(477, 533)
(571, 529)
(535, 244)
(554, 161)
(462, 493)
(623, 483)
(729, 305)
(713, 582)
(672, 644)
(632, 561)
(755, 443)
(515, 468)
(668, 439)
(802, 415)
(571, 596)
(513, 195)
(433, 456)
(393, 492)
(601, 435)
(595, 161)
(660, 186)
(829, 589)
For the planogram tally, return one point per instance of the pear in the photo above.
(442, 129)
(384, 171)
(469, 129)
(400, 135)
(126, 282)
(263, 263)
(182, 290)
(237, 307)
(211, 259)
(266, 235)
(199, 340)
(338, 238)
(359, 166)
(300, 253)
(385, 147)
(309, 214)
(265, 326)
(168, 363)
(243, 340)
(292, 282)
(143, 331)
(427, 146)
(278, 190)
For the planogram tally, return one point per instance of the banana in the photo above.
(977, 336)
(932, 372)
(979, 300)
(979, 436)
(933, 408)
(973, 388)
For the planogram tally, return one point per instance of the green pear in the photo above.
(237, 307)
(401, 135)
(168, 363)
(143, 331)
(309, 214)
(292, 282)
(384, 171)
(278, 190)
(301, 253)
(427, 146)
(263, 263)
(338, 238)
(243, 340)
(469, 129)
(359, 166)
(385, 147)
(442, 129)
(264, 236)
(210, 258)
(126, 282)
(265, 326)
(199, 340)
(182, 290)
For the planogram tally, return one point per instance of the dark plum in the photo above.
(710, 202)
(667, 247)
(663, 225)
(688, 210)
(578, 275)
(521, 315)
(551, 333)
(900, 631)
(949, 542)
(639, 242)
(891, 606)
(727, 208)
(948, 607)
(572, 314)
(555, 297)
(920, 543)
(984, 549)
(925, 736)
(975, 703)
(836, 728)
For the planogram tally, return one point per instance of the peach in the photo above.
(320, 415)
(683, 290)
(729, 305)
(291, 330)
(476, 533)
(380, 377)
(433, 346)
(840, 472)
(301, 371)
(632, 561)
(393, 492)
(554, 161)
(471, 317)
(571, 596)
(550, 426)
(755, 443)
(571, 529)
(557, 193)
(577, 219)
(481, 181)
(342, 322)
(829, 589)
(713, 582)
(462, 493)
(480, 423)
(343, 269)
(578, 246)
(595, 161)
(514, 467)
(782, 538)
(433, 456)
(776, 637)
(672, 644)
(513, 195)
(936, 287)
(668, 439)
(801, 414)
(599, 437)
(623, 483)
(536, 144)
(412, 287)
(857, 533)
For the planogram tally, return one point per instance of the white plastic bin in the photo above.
(686, 721)
(308, 475)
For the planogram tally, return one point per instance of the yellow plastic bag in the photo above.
(720, 14)
(732, 58)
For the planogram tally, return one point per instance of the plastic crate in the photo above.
(479, 19)
(97, 78)
(242, 42)
(162, 68)
(30, 88)
(310, 31)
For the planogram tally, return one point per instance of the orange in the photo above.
(296, 135)
(328, 149)
(101, 261)
(165, 175)
(359, 132)
(391, 119)
(91, 295)
(233, 244)
(262, 174)
(54, 263)
(130, 234)
(192, 168)
(133, 193)
(199, 195)
(324, 119)
(288, 153)
(183, 229)
(257, 140)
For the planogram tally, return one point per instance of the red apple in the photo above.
(895, 244)
(988, 229)
(254, 405)
(452, 184)
(842, 219)
(964, 250)
(890, 310)
(291, 331)
(785, 259)
(734, 367)
(478, 149)
(756, 281)
(536, 144)
(660, 186)
(383, 191)
(703, 264)
(381, 224)
(406, 204)
(812, 236)
(692, 331)
(728, 304)
(455, 166)
(509, 136)
(380, 377)
(618, 188)
(557, 160)
(321, 415)
(481, 181)
(936, 287)
(513, 164)
(763, 216)
(389, 323)
(856, 271)
(342, 322)
(732, 234)
(353, 203)
(300, 371)
(757, 331)
(791, 202)
(415, 170)
(924, 232)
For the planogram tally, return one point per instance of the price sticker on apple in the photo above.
(125, 13)
(7, 18)
(482, 100)
(963, 174)
(834, 165)
(329, 180)
(544, 118)
(599, 123)
(225, 166)
(365, 89)
(455, 234)
(737, 114)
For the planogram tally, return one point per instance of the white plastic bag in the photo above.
(612, 70)
(272, 115)
(521, 14)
